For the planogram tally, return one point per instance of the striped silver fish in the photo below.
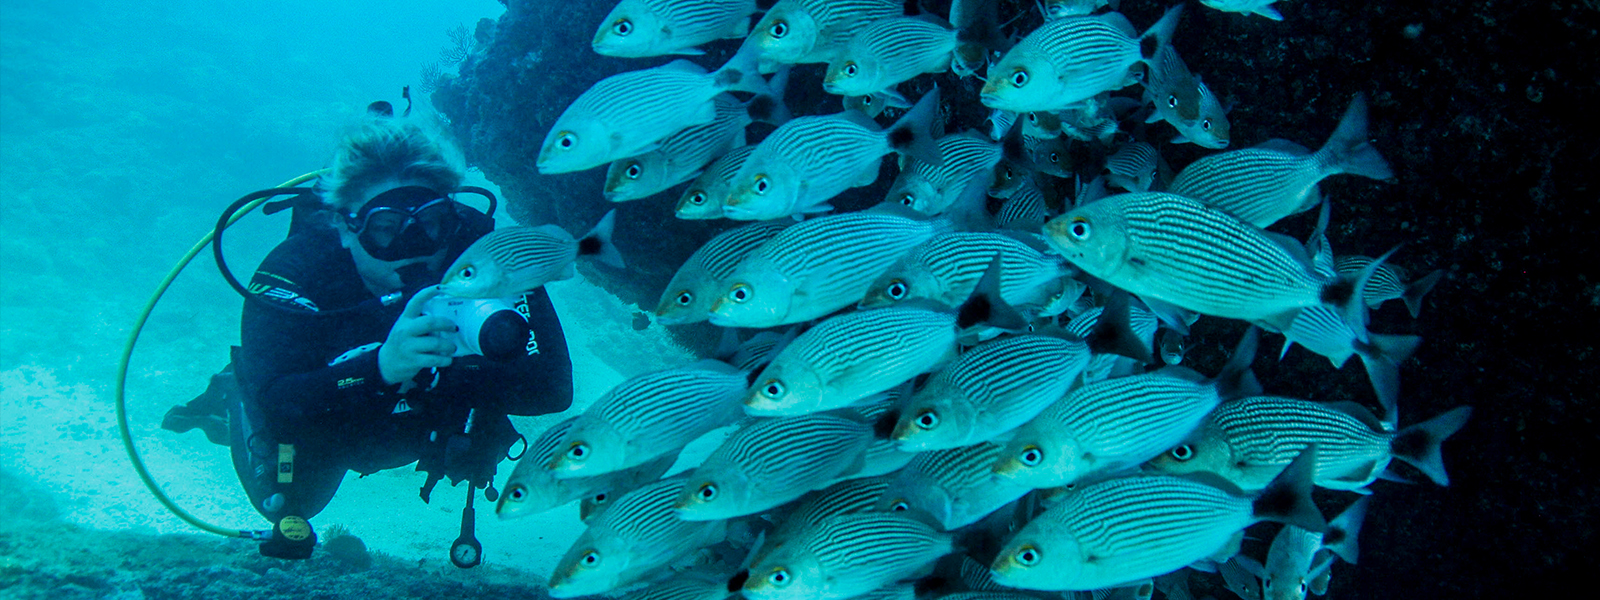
(1105, 366)
(884, 456)
(811, 31)
(1042, 124)
(1185, 102)
(1177, 250)
(630, 113)
(1133, 167)
(1050, 155)
(638, 534)
(888, 52)
(956, 486)
(1108, 426)
(770, 462)
(1246, 7)
(816, 267)
(946, 270)
(1239, 575)
(1056, 9)
(1069, 60)
(533, 488)
(640, 28)
(1389, 282)
(851, 496)
(1266, 183)
(873, 105)
(1123, 530)
(759, 350)
(704, 198)
(844, 556)
(806, 162)
(516, 259)
(703, 278)
(931, 188)
(650, 415)
(1298, 558)
(1000, 122)
(1025, 210)
(690, 585)
(680, 156)
(1324, 331)
(990, 390)
(852, 356)
(1248, 441)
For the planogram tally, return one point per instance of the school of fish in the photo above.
(973, 388)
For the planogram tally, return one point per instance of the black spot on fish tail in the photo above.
(884, 426)
(1411, 443)
(901, 138)
(1334, 536)
(736, 582)
(761, 108)
(973, 312)
(588, 246)
(1339, 292)
(911, 8)
(1148, 45)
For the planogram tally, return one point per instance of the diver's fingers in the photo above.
(429, 325)
(432, 361)
(417, 302)
(435, 345)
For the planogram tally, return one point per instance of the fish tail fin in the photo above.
(1288, 498)
(1347, 150)
(1382, 356)
(980, 36)
(1347, 294)
(597, 242)
(742, 73)
(985, 306)
(1266, 10)
(914, 133)
(769, 107)
(1237, 380)
(1344, 529)
(1113, 331)
(1418, 445)
(1160, 34)
(970, 210)
(1419, 288)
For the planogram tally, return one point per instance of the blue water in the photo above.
(125, 128)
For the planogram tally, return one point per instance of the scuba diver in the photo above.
(350, 359)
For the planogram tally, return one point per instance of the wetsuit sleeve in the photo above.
(536, 382)
(291, 360)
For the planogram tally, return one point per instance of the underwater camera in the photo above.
(490, 327)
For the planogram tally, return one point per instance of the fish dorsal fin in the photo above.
(1115, 19)
(683, 66)
(1284, 146)
(859, 118)
(1359, 412)
(1293, 247)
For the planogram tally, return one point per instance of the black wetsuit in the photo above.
(312, 382)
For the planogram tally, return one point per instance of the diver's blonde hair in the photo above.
(387, 149)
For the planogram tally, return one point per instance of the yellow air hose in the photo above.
(127, 354)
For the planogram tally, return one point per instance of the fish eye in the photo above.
(467, 272)
(600, 498)
(1033, 118)
(633, 171)
(773, 389)
(1055, 157)
(697, 198)
(1008, 174)
(908, 200)
(1080, 229)
(927, 419)
(897, 289)
(707, 492)
(567, 140)
(1027, 556)
(850, 69)
(517, 493)
(778, 30)
(1031, 455)
(1205, 125)
(762, 184)
(578, 451)
(779, 577)
(899, 506)
(1182, 453)
(1019, 77)
(622, 27)
(866, 100)
(1302, 588)
(685, 298)
(591, 558)
(739, 293)
(1172, 100)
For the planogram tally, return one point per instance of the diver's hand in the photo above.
(414, 343)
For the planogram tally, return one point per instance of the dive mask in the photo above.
(405, 222)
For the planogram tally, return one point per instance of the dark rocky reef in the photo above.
(1481, 108)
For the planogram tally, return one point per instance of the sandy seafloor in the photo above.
(124, 130)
